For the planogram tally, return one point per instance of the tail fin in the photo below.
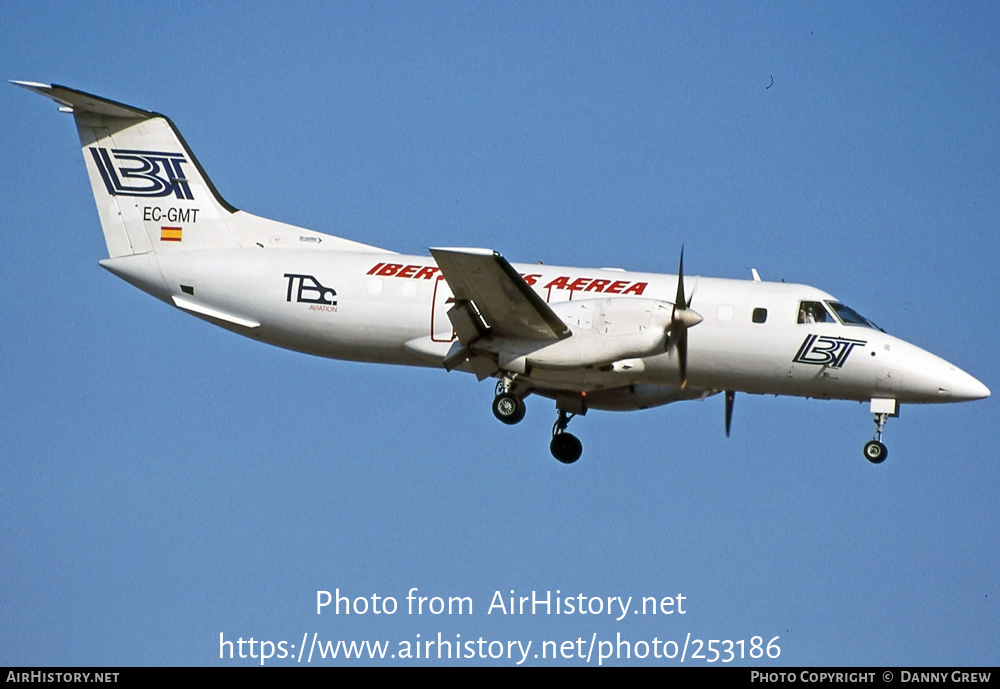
(151, 192)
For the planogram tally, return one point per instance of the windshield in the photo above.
(849, 316)
(813, 312)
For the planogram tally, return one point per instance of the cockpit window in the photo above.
(849, 316)
(813, 312)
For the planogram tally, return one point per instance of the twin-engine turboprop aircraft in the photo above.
(586, 338)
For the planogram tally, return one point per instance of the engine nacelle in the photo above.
(604, 331)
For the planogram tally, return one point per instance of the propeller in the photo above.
(681, 318)
(730, 398)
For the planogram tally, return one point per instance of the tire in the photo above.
(875, 452)
(566, 447)
(508, 408)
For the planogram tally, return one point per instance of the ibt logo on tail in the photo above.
(149, 174)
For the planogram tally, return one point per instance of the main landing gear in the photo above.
(509, 408)
(565, 447)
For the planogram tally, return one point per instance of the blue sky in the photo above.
(163, 481)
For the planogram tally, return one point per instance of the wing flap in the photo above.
(505, 302)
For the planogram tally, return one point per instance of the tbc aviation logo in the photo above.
(308, 290)
(142, 173)
(826, 351)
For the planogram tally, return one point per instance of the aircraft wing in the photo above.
(507, 305)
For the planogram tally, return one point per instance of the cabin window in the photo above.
(813, 312)
(759, 315)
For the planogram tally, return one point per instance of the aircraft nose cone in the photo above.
(964, 387)
(929, 378)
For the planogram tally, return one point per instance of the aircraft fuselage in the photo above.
(390, 308)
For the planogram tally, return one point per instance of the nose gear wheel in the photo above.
(875, 451)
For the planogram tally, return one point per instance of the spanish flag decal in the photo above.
(170, 234)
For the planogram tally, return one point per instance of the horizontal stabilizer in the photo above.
(81, 102)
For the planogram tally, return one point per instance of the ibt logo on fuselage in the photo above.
(821, 350)
(149, 174)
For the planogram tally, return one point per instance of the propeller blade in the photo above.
(730, 399)
(681, 318)
(680, 301)
(682, 355)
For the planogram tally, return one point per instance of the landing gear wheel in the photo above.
(508, 408)
(566, 447)
(875, 452)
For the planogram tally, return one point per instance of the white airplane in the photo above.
(586, 338)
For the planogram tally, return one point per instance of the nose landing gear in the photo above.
(876, 452)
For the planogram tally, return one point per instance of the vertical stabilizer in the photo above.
(153, 195)
(150, 190)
